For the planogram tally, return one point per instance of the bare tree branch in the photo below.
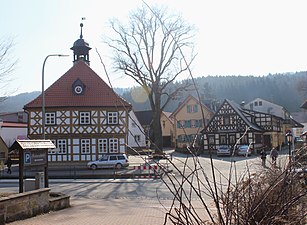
(150, 52)
(7, 65)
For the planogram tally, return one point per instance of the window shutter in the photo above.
(195, 108)
(196, 123)
(188, 124)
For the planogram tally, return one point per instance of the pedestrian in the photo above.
(274, 155)
(9, 164)
(263, 157)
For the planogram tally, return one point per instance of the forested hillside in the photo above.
(278, 88)
(16, 103)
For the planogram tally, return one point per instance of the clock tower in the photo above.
(81, 49)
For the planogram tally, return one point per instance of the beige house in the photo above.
(190, 119)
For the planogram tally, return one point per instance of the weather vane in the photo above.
(81, 25)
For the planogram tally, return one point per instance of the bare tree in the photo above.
(7, 65)
(150, 51)
(301, 86)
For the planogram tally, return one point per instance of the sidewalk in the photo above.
(103, 212)
(124, 211)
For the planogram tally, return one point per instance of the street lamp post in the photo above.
(43, 92)
(289, 140)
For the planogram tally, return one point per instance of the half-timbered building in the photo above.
(84, 117)
(233, 124)
(289, 123)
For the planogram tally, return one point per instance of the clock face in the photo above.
(78, 89)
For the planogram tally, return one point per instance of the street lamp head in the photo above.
(289, 137)
(43, 92)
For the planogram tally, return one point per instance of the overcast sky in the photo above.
(234, 37)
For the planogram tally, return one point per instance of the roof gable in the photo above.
(96, 94)
(266, 107)
(185, 102)
(3, 146)
(224, 109)
(304, 105)
(133, 118)
(144, 117)
(167, 116)
(268, 103)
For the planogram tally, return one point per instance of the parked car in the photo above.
(244, 150)
(223, 150)
(110, 161)
(298, 139)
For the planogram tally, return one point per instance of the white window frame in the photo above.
(50, 118)
(112, 117)
(113, 145)
(85, 146)
(193, 123)
(182, 124)
(62, 146)
(103, 145)
(192, 108)
(137, 138)
(85, 118)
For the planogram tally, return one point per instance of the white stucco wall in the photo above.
(135, 128)
(266, 107)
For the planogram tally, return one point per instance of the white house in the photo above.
(264, 106)
(136, 134)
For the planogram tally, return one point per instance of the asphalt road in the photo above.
(193, 169)
(140, 201)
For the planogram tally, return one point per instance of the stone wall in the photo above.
(24, 205)
(58, 201)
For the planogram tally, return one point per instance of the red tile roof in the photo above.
(96, 94)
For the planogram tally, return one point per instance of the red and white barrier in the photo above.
(147, 172)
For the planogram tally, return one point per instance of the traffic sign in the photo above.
(27, 158)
